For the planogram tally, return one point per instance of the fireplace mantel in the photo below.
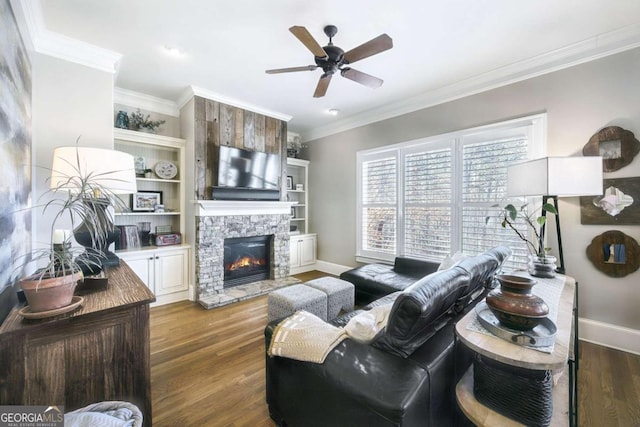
(241, 207)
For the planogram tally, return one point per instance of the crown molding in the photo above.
(205, 93)
(145, 102)
(46, 42)
(606, 44)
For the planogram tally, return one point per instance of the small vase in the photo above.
(542, 266)
(122, 120)
(514, 305)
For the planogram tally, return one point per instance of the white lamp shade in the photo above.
(556, 176)
(110, 169)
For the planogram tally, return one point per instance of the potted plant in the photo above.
(84, 202)
(140, 122)
(541, 263)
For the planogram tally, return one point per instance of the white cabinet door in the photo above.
(170, 272)
(307, 250)
(142, 264)
(303, 252)
(164, 271)
(294, 251)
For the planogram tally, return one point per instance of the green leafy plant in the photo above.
(139, 121)
(86, 205)
(509, 215)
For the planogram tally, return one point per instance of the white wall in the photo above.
(579, 101)
(69, 100)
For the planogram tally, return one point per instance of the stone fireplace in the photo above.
(217, 221)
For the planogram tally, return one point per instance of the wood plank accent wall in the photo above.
(221, 124)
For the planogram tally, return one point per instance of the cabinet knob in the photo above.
(157, 257)
(150, 258)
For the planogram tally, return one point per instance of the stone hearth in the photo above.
(217, 220)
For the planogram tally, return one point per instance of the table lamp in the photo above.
(553, 177)
(96, 175)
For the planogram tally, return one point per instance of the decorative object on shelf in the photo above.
(165, 169)
(514, 305)
(140, 122)
(167, 239)
(129, 237)
(294, 145)
(618, 206)
(553, 177)
(122, 120)
(145, 201)
(289, 182)
(616, 146)
(144, 229)
(88, 187)
(614, 253)
(299, 187)
(159, 208)
(293, 212)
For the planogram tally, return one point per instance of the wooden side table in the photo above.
(512, 354)
(98, 352)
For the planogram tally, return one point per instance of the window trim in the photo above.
(536, 133)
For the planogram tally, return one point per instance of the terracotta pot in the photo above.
(514, 305)
(49, 293)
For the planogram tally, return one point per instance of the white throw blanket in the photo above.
(304, 336)
(105, 414)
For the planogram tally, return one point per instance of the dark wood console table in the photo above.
(511, 354)
(98, 352)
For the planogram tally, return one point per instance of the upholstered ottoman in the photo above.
(286, 301)
(340, 294)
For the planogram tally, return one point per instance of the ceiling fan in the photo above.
(332, 59)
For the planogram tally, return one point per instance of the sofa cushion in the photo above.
(415, 314)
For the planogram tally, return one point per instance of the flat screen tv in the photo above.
(240, 168)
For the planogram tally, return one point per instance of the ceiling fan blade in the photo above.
(307, 39)
(292, 69)
(379, 44)
(362, 78)
(323, 85)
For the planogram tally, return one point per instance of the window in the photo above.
(430, 198)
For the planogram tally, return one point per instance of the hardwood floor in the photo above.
(207, 369)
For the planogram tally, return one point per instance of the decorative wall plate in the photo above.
(165, 169)
(614, 253)
(616, 145)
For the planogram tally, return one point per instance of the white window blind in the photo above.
(484, 185)
(430, 198)
(379, 206)
(428, 205)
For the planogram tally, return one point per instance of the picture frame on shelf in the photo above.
(289, 182)
(145, 201)
(293, 212)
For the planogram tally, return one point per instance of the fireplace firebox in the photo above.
(246, 260)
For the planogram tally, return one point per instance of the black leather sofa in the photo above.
(406, 376)
(373, 281)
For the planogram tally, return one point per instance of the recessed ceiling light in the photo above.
(334, 111)
(173, 51)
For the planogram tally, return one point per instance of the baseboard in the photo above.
(169, 298)
(605, 334)
(335, 269)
